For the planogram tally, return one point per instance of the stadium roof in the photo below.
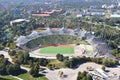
(100, 71)
(99, 45)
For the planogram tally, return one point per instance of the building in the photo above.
(47, 13)
(18, 21)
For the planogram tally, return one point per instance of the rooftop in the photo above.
(115, 16)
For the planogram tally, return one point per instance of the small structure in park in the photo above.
(47, 13)
(18, 21)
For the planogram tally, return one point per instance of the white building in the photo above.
(18, 21)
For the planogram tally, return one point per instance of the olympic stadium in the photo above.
(69, 42)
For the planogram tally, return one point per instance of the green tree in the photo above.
(89, 77)
(66, 63)
(12, 46)
(3, 64)
(84, 78)
(50, 66)
(31, 63)
(26, 57)
(103, 68)
(10, 69)
(79, 77)
(13, 69)
(34, 71)
(17, 69)
(43, 61)
(12, 53)
(60, 57)
(84, 73)
(105, 62)
(71, 64)
(1, 47)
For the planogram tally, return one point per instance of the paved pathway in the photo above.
(6, 55)
(16, 77)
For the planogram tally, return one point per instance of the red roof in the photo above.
(41, 15)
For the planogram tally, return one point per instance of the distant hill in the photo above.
(8, 3)
(103, 1)
(2, 7)
(31, 1)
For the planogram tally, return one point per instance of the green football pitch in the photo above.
(56, 50)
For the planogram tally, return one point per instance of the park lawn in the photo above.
(57, 63)
(27, 76)
(7, 77)
(56, 50)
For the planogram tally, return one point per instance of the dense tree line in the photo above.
(75, 61)
(6, 68)
(23, 57)
(103, 61)
(116, 52)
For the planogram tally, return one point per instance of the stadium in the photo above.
(48, 42)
